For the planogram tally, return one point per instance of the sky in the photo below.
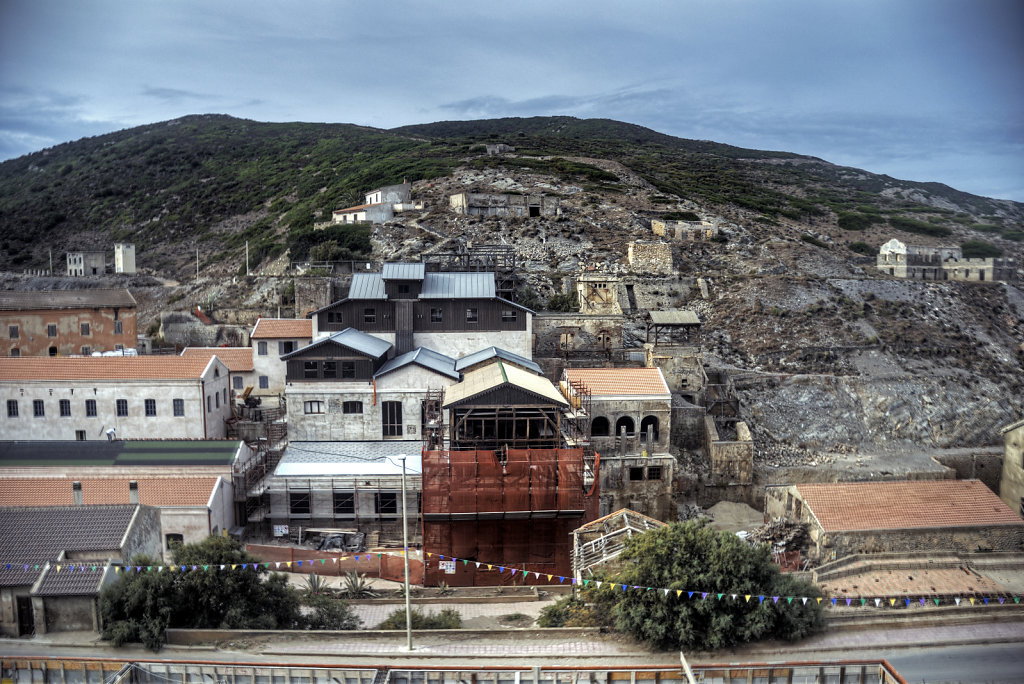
(924, 90)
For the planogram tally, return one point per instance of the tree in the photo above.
(693, 557)
(567, 302)
(142, 605)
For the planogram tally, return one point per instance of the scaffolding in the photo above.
(434, 428)
(265, 431)
(497, 259)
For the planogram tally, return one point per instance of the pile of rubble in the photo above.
(781, 534)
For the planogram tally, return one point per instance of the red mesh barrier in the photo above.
(489, 482)
(517, 481)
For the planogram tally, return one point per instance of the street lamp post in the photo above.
(405, 545)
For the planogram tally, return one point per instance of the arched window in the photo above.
(627, 423)
(600, 427)
(649, 422)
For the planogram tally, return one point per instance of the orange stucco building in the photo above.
(67, 322)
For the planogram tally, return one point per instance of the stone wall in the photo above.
(1011, 486)
(732, 461)
(956, 540)
(646, 257)
(640, 484)
(585, 332)
(984, 464)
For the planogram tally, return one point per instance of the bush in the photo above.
(854, 221)
(572, 612)
(863, 248)
(563, 302)
(680, 216)
(921, 227)
(449, 618)
(810, 239)
(979, 249)
(329, 612)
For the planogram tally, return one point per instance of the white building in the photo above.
(241, 370)
(116, 397)
(124, 258)
(86, 263)
(272, 338)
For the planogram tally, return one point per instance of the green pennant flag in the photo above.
(720, 596)
(378, 555)
(1016, 599)
(789, 599)
(322, 562)
(936, 601)
(465, 562)
(585, 582)
(863, 601)
(149, 568)
(206, 567)
(94, 568)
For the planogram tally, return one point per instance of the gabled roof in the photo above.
(860, 506)
(421, 356)
(403, 271)
(237, 359)
(282, 328)
(103, 368)
(163, 452)
(497, 374)
(153, 491)
(606, 383)
(22, 300)
(350, 338)
(366, 286)
(358, 207)
(496, 353)
(458, 286)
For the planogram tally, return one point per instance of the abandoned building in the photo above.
(380, 205)
(68, 322)
(598, 544)
(1011, 483)
(961, 516)
(86, 263)
(272, 338)
(124, 258)
(684, 231)
(498, 148)
(41, 591)
(630, 408)
(649, 257)
(598, 293)
(410, 307)
(942, 263)
(504, 204)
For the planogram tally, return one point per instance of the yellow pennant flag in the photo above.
(892, 602)
(58, 570)
(679, 592)
(175, 567)
(549, 576)
(489, 566)
(117, 569)
(972, 598)
(234, 566)
(748, 597)
(819, 599)
(287, 564)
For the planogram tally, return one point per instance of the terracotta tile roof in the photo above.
(358, 207)
(852, 506)
(102, 368)
(237, 359)
(288, 328)
(153, 491)
(620, 381)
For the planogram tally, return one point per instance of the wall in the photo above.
(333, 425)
(687, 425)
(682, 366)
(1011, 486)
(457, 345)
(649, 496)
(650, 258)
(70, 613)
(684, 231)
(637, 410)
(589, 331)
(143, 534)
(9, 608)
(983, 464)
(271, 365)
(956, 540)
(86, 263)
(312, 293)
(32, 330)
(732, 462)
(497, 204)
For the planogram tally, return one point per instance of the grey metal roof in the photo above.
(676, 317)
(366, 286)
(325, 459)
(496, 352)
(20, 300)
(458, 286)
(427, 358)
(403, 271)
(94, 452)
(73, 579)
(350, 338)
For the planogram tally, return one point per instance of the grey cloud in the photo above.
(174, 95)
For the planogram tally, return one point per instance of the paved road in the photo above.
(993, 664)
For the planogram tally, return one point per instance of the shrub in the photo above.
(680, 216)
(563, 302)
(920, 227)
(810, 239)
(854, 221)
(863, 248)
(449, 618)
(329, 612)
(979, 249)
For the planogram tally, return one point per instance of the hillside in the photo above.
(795, 307)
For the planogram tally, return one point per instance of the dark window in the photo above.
(118, 328)
(65, 408)
(403, 289)
(636, 474)
(53, 351)
(285, 347)
(51, 330)
(352, 407)
(653, 472)
(261, 348)
(85, 328)
(15, 353)
(216, 399)
(122, 407)
(348, 369)
(13, 330)
(86, 351)
(310, 370)
(471, 315)
(313, 407)
(436, 315)
(369, 315)
(330, 369)
(386, 503)
(151, 407)
(237, 380)
(298, 503)
(264, 382)
(600, 427)
(37, 408)
(80, 435)
(391, 418)
(344, 503)
(509, 315)
(90, 408)
(12, 408)
(179, 407)
(174, 540)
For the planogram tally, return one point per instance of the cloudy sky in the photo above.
(928, 90)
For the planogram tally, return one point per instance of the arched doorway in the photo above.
(649, 422)
(599, 427)
(627, 423)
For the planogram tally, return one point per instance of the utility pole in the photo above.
(246, 257)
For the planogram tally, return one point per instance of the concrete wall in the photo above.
(682, 366)
(637, 410)
(649, 258)
(1011, 485)
(124, 258)
(177, 327)
(684, 231)
(33, 338)
(588, 332)
(457, 345)
(732, 461)
(70, 613)
(647, 495)
(144, 535)
(9, 608)
(984, 464)
(499, 204)
(86, 263)
(271, 366)
(687, 425)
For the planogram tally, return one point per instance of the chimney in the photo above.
(76, 492)
(133, 492)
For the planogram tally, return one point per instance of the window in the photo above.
(13, 330)
(344, 503)
(216, 399)
(53, 351)
(298, 503)
(386, 503)
(403, 289)
(348, 369)
(150, 407)
(119, 347)
(80, 435)
(118, 328)
(209, 404)
(15, 353)
(509, 315)
(285, 347)
(636, 474)
(471, 315)
(38, 410)
(264, 382)
(653, 472)
(330, 369)
(90, 408)
(122, 407)
(224, 392)
(313, 407)
(85, 328)
(237, 382)
(179, 407)
(391, 418)
(86, 351)
(369, 315)
(310, 370)
(65, 408)
(173, 540)
(51, 330)
(261, 348)
(352, 407)
(436, 315)
(12, 408)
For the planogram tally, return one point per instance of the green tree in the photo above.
(693, 557)
(979, 249)
(564, 302)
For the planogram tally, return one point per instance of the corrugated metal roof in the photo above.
(457, 286)
(366, 286)
(312, 459)
(403, 271)
(496, 353)
(676, 317)
(170, 452)
(497, 374)
(427, 358)
(350, 338)
(21, 300)
(237, 359)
